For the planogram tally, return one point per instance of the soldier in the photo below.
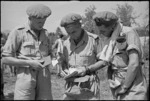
(59, 45)
(29, 48)
(79, 61)
(120, 45)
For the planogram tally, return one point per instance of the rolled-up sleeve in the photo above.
(12, 44)
(133, 41)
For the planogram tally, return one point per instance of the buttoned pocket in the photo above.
(88, 57)
(85, 57)
(28, 48)
(86, 54)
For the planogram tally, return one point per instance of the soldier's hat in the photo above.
(105, 18)
(70, 18)
(38, 11)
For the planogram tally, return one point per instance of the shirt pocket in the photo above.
(28, 48)
(86, 57)
(86, 53)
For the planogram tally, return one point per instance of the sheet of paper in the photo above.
(47, 60)
(54, 62)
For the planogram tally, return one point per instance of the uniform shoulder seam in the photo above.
(19, 27)
(92, 35)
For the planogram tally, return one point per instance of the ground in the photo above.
(58, 85)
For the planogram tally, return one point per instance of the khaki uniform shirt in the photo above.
(22, 41)
(137, 89)
(83, 54)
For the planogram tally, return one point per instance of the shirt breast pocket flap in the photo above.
(86, 54)
(28, 45)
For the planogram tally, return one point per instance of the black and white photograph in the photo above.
(74, 50)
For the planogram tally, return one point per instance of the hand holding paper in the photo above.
(72, 73)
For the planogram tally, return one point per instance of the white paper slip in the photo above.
(54, 62)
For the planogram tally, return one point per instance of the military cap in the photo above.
(105, 18)
(70, 18)
(38, 11)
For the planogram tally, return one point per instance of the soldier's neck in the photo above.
(80, 37)
(36, 32)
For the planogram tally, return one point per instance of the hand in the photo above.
(81, 71)
(63, 73)
(66, 71)
(113, 84)
(69, 73)
(35, 64)
(120, 90)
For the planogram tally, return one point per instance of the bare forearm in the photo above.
(131, 74)
(97, 65)
(133, 67)
(14, 61)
